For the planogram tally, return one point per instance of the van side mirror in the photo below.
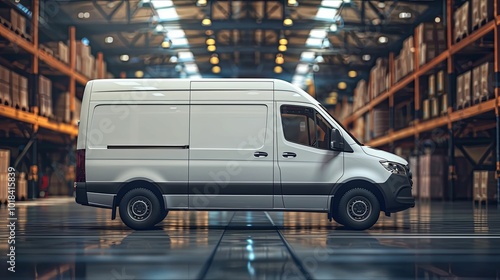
(336, 140)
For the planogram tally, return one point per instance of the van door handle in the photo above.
(260, 154)
(289, 154)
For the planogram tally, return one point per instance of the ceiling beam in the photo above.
(202, 50)
(97, 28)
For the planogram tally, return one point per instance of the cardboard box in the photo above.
(15, 89)
(457, 27)
(487, 81)
(475, 19)
(5, 86)
(62, 110)
(460, 91)
(435, 109)
(426, 109)
(467, 82)
(23, 93)
(440, 87)
(4, 160)
(432, 85)
(465, 19)
(3, 186)
(476, 83)
(444, 104)
(486, 10)
(61, 50)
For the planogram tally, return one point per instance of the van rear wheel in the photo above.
(358, 209)
(140, 209)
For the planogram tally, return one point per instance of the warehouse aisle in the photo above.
(58, 239)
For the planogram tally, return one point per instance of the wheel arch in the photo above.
(135, 184)
(357, 183)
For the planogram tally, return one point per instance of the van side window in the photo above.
(305, 126)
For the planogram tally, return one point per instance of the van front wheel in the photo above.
(140, 209)
(359, 209)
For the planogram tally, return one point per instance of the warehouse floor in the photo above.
(58, 239)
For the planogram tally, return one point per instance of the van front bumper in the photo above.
(397, 193)
(81, 193)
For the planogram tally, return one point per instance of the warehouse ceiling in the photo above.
(325, 40)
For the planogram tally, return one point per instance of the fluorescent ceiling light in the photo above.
(179, 42)
(332, 3)
(302, 68)
(317, 33)
(307, 56)
(191, 68)
(167, 13)
(158, 4)
(314, 42)
(326, 13)
(176, 33)
(196, 76)
(185, 55)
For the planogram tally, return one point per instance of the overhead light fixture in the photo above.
(173, 59)
(404, 15)
(437, 19)
(108, 40)
(159, 28)
(381, 4)
(287, 22)
(334, 27)
(347, 1)
(366, 57)
(216, 69)
(211, 48)
(293, 3)
(325, 44)
(201, 3)
(319, 59)
(206, 22)
(210, 41)
(124, 57)
(85, 41)
(144, 4)
(279, 59)
(352, 74)
(383, 39)
(282, 48)
(209, 32)
(139, 74)
(214, 59)
(278, 69)
(283, 41)
(167, 43)
(84, 15)
(315, 67)
(342, 85)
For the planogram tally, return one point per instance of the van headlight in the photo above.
(394, 167)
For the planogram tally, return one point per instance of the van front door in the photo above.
(309, 169)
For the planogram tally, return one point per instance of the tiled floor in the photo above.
(58, 239)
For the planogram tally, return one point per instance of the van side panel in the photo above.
(131, 141)
(84, 112)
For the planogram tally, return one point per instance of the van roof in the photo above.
(173, 84)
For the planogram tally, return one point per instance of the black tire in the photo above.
(359, 209)
(140, 209)
(162, 216)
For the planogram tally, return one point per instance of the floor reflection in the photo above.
(62, 240)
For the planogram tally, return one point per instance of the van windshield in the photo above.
(340, 124)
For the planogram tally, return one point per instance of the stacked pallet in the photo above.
(483, 80)
(431, 41)
(379, 78)
(21, 187)
(59, 50)
(462, 24)
(19, 91)
(45, 96)
(482, 12)
(431, 176)
(437, 102)
(5, 86)
(13, 20)
(463, 94)
(380, 122)
(85, 61)
(485, 187)
(62, 109)
(413, 162)
(404, 62)
(4, 181)
(442, 92)
(360, 97)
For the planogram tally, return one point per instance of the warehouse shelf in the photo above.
(420, 71)
(37, 120)
(481, 108)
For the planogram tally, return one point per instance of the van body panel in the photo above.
(81, 142)
(151, 96)
(229, 85)
(111, 85)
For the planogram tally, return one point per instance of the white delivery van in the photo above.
(149, 146)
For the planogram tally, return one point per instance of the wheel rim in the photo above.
(359, 208)
(139, 208)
